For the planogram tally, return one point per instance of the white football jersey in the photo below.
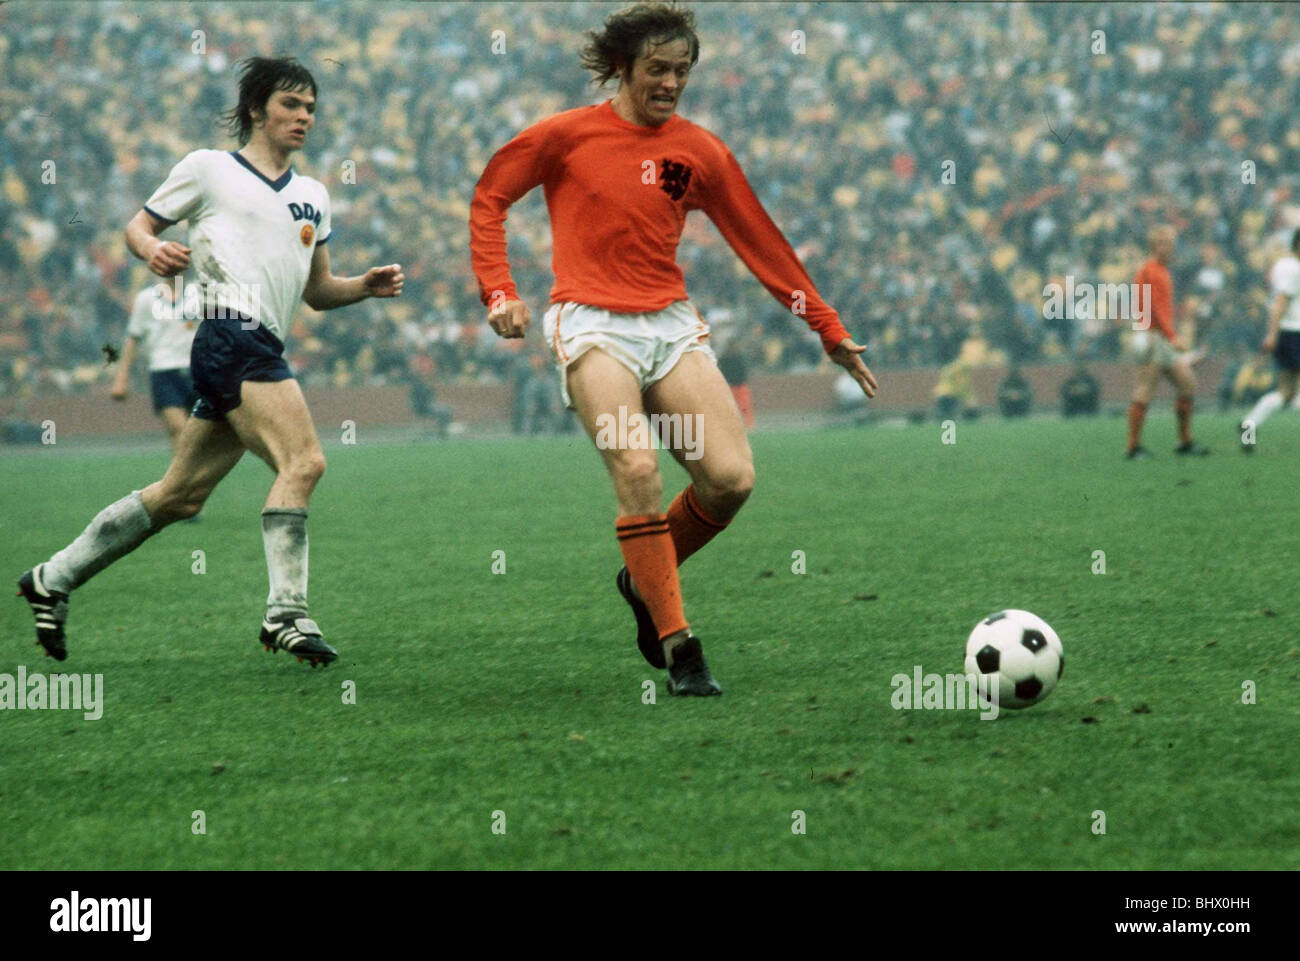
(1284, 278)
(251, 238)
(165, 335)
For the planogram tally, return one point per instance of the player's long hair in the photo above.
(612, 51)
(259, 77)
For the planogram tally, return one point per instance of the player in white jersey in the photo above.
(158, 327)
(258, 234)
(1282, 341)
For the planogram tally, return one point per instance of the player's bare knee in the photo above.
(179, 503)
(636, 477)
(634, 466)
(731, 487)
(742, 483)
(305, 470)
(182, 510)
(315, 466)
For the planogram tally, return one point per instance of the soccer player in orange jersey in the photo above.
(1160, 352)
(619, 179)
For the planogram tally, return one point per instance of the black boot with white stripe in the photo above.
(50, 609)
(299, 636)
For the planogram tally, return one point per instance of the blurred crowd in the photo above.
(934, 166)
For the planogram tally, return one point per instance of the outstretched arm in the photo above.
(514, 170)
(730, 203)
(1162, 310)
(324, 291)
(848, 355)
(121, 383)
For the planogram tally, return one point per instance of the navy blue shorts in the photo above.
(172, 388)
(1287, 351)
(224, 355)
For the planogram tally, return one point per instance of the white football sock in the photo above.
(1265, 407)
(116, 531)
(284, 536)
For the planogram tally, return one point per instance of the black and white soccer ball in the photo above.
(1019, 653)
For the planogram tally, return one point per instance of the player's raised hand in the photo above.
(510, 319)
(169, 258)
(846, 355)
(384, 281)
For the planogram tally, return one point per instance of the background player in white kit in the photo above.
(258, 232)
(161, 330)
(1282, 341)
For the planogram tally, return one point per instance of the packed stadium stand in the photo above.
(1061, 159)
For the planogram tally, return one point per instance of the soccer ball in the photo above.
(1020, 653)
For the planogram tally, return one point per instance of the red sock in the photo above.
(1137, 413)
(647, 548)
(689, 524)
(1183, 405)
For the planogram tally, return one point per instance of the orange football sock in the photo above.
(1137, 413)
(1183, 405)
(690, 525)
(647, 548)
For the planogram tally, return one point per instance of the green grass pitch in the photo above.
(521, 692)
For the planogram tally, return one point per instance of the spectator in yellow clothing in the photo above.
(954, 392)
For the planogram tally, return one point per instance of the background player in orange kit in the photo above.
(1159, 350)
(619, 179)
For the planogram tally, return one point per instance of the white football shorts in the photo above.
(1152, 347)
(649, 345)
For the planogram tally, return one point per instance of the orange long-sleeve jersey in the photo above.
(1161, 308)
(618, 195)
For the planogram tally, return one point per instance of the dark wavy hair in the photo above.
(611, 52)
(259, 77)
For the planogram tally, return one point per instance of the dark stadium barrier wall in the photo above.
(489, 404)
(96, 413)
(907, 390)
